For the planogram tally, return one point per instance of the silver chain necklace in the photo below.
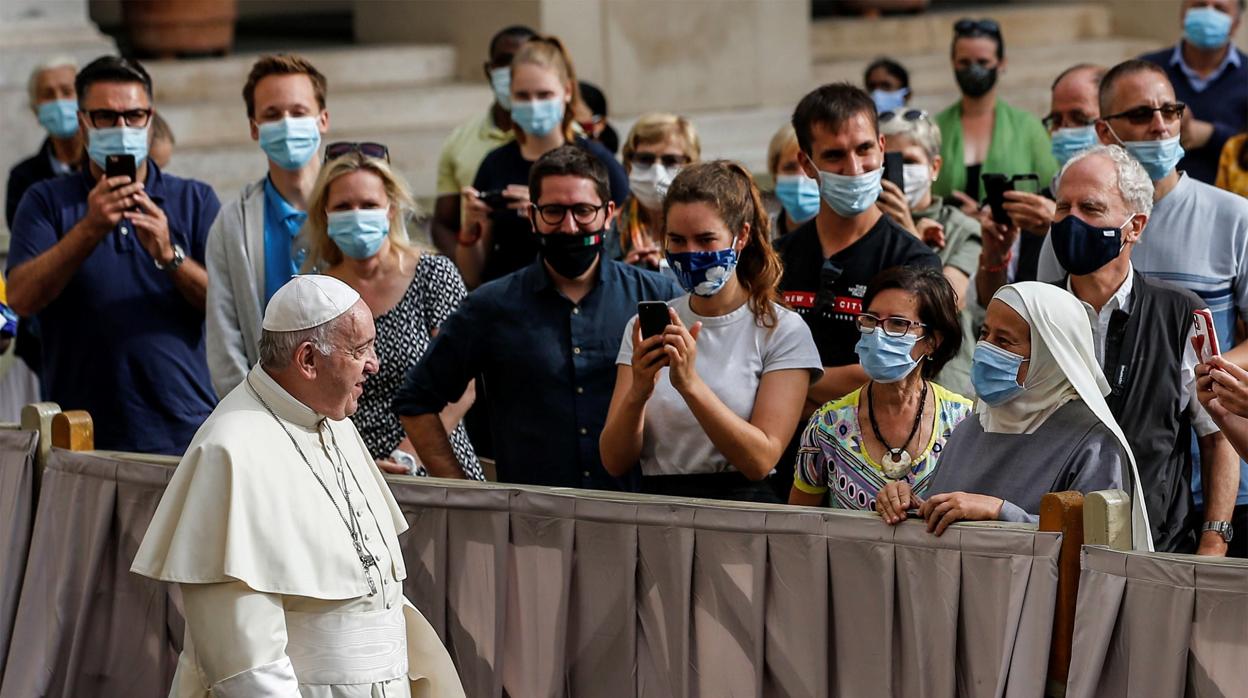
(366, 559)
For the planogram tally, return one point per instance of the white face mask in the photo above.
(918, 182)
(650, 184)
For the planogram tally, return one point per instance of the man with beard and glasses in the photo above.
(542, 339)
(982, 133)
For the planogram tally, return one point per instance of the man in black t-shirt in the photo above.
(829, 261)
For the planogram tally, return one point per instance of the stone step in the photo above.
(348, 69)
(1026, 66)
(224, 122)
(1033, 24)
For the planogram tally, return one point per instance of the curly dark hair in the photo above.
(938, 308)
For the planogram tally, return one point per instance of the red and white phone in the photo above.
(1205, 340)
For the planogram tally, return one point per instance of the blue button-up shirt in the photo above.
(282, 257)
(121, 341)
(548, 366)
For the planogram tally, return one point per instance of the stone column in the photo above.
(31, 32)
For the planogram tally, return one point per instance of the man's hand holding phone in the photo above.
(107, 203)
(475, 214)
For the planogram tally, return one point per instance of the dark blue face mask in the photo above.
(1082, 248)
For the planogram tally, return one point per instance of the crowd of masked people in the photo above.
(941, 316)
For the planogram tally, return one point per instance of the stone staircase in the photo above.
(408, 97)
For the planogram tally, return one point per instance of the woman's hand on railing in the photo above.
(895, 500)
(945, 509)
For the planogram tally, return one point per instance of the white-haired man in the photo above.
(54, 102)
(1142, 329)
(281, 531)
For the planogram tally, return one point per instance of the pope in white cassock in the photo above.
(282, 534)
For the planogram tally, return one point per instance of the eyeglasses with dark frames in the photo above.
(367, 149)
(668, 160)
(583, 214)
(1140, 116)
(892, 326)
(1056, 120)
(108, 118)
(904, 115)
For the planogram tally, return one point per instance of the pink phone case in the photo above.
(1206, 338)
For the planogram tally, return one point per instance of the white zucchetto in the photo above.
(306, 301)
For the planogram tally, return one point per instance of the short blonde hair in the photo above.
(32, 83)
(322, 250)
(923, 131)
(657, 127)
(782, 139)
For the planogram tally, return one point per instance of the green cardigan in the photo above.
(1020, 145)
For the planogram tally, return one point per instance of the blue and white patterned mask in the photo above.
(703, 273)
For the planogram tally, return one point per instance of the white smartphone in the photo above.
(1205, 340)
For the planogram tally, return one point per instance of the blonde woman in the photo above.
(657, 147)
(798, 194)
(496, 237)
(356, 233)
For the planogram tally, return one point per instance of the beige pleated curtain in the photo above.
(552, 593)
(1160, 625)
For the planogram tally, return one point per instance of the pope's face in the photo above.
(354, 358)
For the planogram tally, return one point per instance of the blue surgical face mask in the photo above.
(850, 195)
(290, 142)
(994, 373)
(1158, 158)
(116, 140)
(799, 195)
(886, 359)
(703, 273)
(886, 100)
(500, 82)
(359, 232)
(1069, 142)
(538, 117)
(59, 117)
(1206, 27)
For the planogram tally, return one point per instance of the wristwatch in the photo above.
(1222, 528)
(178, 258)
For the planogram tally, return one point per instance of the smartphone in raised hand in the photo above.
(653, 317)
(120, 165)
(894, 169)
(1205, 341)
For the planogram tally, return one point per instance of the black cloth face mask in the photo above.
(975, 80)
(570, 255)
(1082, 248)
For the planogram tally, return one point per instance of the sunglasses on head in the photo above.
(903, 114)
(1140, 116)
(668, 161)
(367, 149)
(977, 27)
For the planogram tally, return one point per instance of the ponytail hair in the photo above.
(728, 188)
(549, 52)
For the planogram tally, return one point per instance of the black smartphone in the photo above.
(1029, 183)
(894, 169)
(653, 318)
(995, 186)
(494, 199)
(119, 165)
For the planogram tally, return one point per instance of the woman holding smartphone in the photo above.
(706, 407)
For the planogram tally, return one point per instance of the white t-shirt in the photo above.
(733, 354)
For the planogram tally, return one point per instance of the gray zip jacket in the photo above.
(235, 288)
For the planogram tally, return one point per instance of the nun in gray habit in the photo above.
(1043, 426)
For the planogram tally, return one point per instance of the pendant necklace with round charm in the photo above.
(896, 462)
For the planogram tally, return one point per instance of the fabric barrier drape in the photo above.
(563, 592)
(17, 512)
(1160, 625)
